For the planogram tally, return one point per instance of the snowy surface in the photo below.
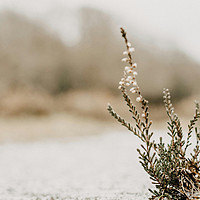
(101, 167)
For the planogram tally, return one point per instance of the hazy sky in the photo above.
(172, 21)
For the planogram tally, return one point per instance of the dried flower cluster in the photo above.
(174, 174)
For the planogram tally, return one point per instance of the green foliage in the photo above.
(174, 174)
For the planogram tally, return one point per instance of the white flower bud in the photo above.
(133, 90)
(121, 83)
(135, 73)
(124, 59)
(134, 83)
(127, 84)
(143, 115)
(125, 53)
(120, 87)
(131, 49)
(138, 99)
(134, 65)
(127, 68)
(129, 44)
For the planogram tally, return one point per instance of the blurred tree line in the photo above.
(33, 57)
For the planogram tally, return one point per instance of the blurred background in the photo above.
(60, 63)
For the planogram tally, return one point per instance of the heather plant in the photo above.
(174, 172)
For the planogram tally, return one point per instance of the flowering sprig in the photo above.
(174, 175)
(130, 73)
(129, 78)
(142, 122)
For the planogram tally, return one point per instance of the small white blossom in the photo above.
(134, 65)
(134, 83)
(124, 59)
(135, 73)
(129, 78)
(138, 99)
(127, 68)
(129, 44)
(127, 84)
(133, 90)
(121, 82)
(120, 87)
(125, 53)
(143, 115)
(132, 49)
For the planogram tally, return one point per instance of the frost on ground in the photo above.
(101, 167)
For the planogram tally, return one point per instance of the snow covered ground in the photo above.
(100, 167)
